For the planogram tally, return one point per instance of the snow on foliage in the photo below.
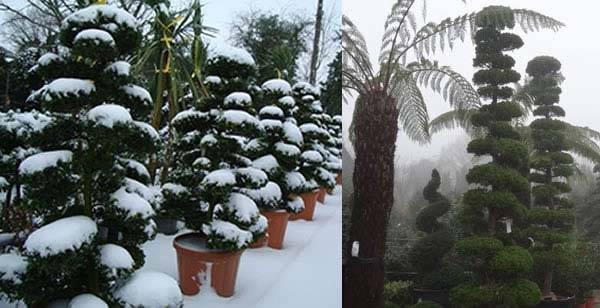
(255, 176)
(221, 177)
(148, 129)
(61, 235)
(48, 58)
(271, 125)
(64, 87)
(287, 101)
(296, 205)
(244, 208)
(115, 256)
(11, 265)
(96, 35)
(188, 114)
(24, 123)
(120, 68)
(137, 92)
(238, 99)
(94, 13)
(132, 203)
(292, 133)
(267, 163)
(238, 117)
(312, 157)
(39, 162)
(287, 149)
(150, 290)
(260, 225)
(234, 54)
(269, 194)
(152, 194)
(139, 168)
(228, 231)
(213, 79)
(108, 115)
(295, 180)
(277, 85)
(174, 188)
(87, 301)
(271, 112)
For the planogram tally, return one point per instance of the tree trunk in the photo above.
(547, 290)
(312, 78)
(376, 127)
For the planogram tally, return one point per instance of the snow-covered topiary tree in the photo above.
(86, 189)
(310, 118)
(210, 174)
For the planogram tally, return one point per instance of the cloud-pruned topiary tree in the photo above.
(85, 188)
(500, 266)
(551, 220)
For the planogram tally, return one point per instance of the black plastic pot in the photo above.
(6, 239)
(565, 302)
(167, 226)
(437, 296)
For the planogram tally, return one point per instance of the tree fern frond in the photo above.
(453, 87)
(354, 50)
(530, 21)
(451, 120)
(413, 115)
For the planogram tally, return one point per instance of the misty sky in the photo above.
(576, 46)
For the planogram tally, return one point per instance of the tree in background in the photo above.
(314, 57)
(331, 93)
(276, 43)
(551, 219)
(500, 265)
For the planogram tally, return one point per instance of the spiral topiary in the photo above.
(551, 220)
(490, 253)
(428, 253)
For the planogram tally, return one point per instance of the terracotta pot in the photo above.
(193, 258)
(278, 221)
(338, 178)
(322, 194)
(262, 242)
(310, 200)
(590, 302)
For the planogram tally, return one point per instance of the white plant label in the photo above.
(355, 248)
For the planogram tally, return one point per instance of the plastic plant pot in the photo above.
(310, 200)
(559, 302)
(167, 226)
(193, 259)
(262, 242)
(322, 194)
(278, 221)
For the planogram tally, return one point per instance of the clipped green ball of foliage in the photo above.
(471, 296)
(543, 65)
(426, 304)
(512, 261)
(483, 247)
(398, 293)
(519, 293)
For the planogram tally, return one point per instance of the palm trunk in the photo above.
(376, 127)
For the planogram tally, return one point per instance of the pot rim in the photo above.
(210, 255)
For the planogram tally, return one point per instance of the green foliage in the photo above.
(426, 304)
(512, 261)
(275, 42)
(398, 293)
(519, 293)
(472, 296)
(481, 247)
(331, 94)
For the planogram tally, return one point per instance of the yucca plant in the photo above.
(389, 99)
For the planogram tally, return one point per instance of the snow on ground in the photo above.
(307, 272)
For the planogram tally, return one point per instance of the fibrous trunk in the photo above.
(376, 127)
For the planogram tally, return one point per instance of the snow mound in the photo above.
(39, 162)
(278, 86)
(228, 231)
(287, 102)
(137, 92)
(271, 112)
(108, 115)
(61, 235)
(115, 256)
(87, 301)
(96, 35)
(244, 208)
(267, 163)
(132, 203)
(11, 265)
(150, 290)
(93, 13)
(287, 149)
(238, 99)
(292, 133)
(234, 54)
(121, 68)
(221, 177)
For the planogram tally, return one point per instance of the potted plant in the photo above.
(551, 219)
(309, 117)
(495, 204)
(335, 148)
(277, 153)
(436, 276)
(209, 164)
(80, 183)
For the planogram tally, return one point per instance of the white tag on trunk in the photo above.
(508, 223)
(355, 247)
